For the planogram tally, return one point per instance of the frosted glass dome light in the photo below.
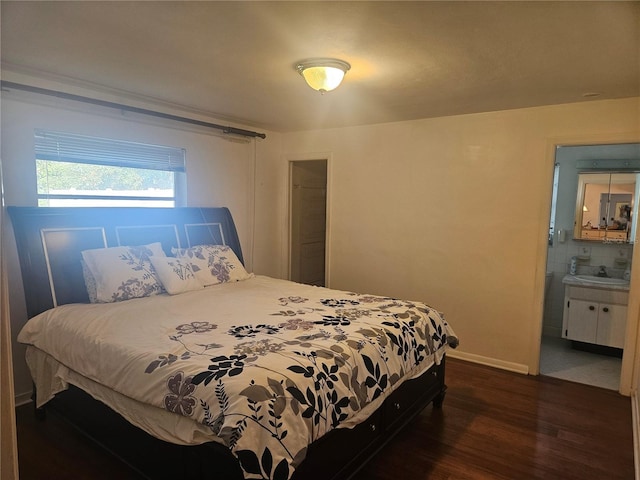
(323, 74)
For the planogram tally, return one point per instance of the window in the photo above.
(78, 170)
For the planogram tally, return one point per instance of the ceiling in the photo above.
(235, 60)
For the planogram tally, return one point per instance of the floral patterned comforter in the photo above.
(266, 366)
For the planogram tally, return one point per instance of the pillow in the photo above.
(175, 274)
(122, 273)
(89, 282)
(213, 264)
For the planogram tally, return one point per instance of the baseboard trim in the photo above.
(635, 410)
(490, 362)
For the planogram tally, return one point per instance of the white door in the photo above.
(308, 221)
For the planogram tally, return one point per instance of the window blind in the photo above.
(69, 147)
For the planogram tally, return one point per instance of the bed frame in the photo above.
(49, 242)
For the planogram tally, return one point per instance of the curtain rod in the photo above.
(79, 98)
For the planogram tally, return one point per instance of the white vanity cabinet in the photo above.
(595, 315)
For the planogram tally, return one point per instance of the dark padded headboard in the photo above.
(50, 242)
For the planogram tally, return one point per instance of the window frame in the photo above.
(50, 146)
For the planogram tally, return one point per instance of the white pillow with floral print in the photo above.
(213, 264)
(122, 273)
(175, 274)
(89, 282)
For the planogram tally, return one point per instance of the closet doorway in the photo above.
(308, 221)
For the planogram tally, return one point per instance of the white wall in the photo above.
(220, 172)
(454, 211)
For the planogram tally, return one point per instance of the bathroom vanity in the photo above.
(595, 310)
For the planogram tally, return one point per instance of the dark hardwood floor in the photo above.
(493, 425)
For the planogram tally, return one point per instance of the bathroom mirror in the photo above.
(605, 207)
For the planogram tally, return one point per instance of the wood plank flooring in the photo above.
(493, 425)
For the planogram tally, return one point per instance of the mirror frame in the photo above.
(599, 233)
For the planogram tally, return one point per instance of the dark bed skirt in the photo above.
(336, 456)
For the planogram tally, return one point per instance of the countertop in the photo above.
(593, 282)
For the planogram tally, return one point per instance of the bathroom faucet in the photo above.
(602, 272)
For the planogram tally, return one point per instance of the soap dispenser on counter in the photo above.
(573, 266)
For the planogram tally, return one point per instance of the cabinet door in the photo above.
(593, 234)
(582, 321)
(612, 324)
(616, 234)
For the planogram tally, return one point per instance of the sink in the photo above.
(601, 280)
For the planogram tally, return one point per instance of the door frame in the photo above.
(302, 157)
(630, 361)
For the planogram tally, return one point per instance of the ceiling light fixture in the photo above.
(323, 74)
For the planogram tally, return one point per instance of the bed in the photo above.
(192, 367)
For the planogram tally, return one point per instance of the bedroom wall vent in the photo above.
(323, 74)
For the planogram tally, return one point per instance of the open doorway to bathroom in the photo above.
(590, 359)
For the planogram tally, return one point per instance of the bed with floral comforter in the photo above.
(263, 366)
